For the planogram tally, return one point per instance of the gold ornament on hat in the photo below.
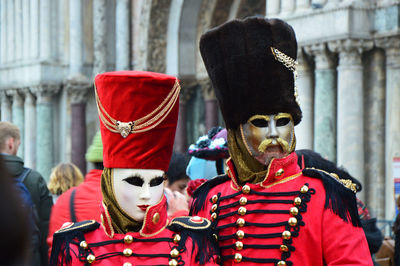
(143, 124)
(290, 64)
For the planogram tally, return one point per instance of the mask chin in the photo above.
(137, 189)
(269, 136)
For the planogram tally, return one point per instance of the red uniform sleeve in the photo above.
(343, 243)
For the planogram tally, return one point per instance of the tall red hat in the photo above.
(138, 114)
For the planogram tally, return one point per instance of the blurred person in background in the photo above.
(10, 139)
(63, 177)
(82, 202)
(176, 184)
(15, 223)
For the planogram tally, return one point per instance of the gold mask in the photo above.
(269, 136)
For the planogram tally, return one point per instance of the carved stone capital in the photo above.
(187, 89)
(5, 99)
(324, 59)
(45, 92)
(78, 87)
(304, 60)
(350, 50)
(29, 97)
(17, 96)
(391, 45)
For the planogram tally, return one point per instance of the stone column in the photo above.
(303, 5)
(181, 134)
(305, 130)
(18, 29)
(30, 129)
(10, 31)
(25, 30)
(325, 102)
(44, 128)
(273, 7)
(3, 32)
(122, 35)
(34, 29)
(6, 114)
(99, 37)
(75, 37)
(350, 113)
(18, 117)
(210, 105)
(44, 30)
(392, 121)
(375, 132)
(287, 7)
(78, 91)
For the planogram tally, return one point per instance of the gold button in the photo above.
(279, 172)
(240, 222)
(281, 263)
(304, 189)
(214, 216)
(174, 253)
(177, 238)
(240, 234)
(214, 198)
(83, 245)
(90, 258)
(127, 264)
(297, 201)
(173, 262)
(214, 207)
(286, 235)
(239, 245)
(242, 211)
(127, 252)
(215, 236)
(292, 221)
(246, 189)
(156, 218)
(238, 257)
(294, 211)
(128, 239)
(243, 201)
(284, 248)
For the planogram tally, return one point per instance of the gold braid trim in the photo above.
(143, 124)
(345, 182)
(290, 64)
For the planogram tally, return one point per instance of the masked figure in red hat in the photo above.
(267, 210)
(138, 113)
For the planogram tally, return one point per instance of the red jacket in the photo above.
(159, 242)
(87, 203)
(281, 221)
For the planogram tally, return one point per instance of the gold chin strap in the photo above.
(290, 64)
(143, 124)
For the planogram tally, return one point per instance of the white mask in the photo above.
(137, 189)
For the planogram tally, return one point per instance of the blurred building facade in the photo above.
(349, 74)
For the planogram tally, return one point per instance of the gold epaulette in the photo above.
(85, 226)
(191, 222)
(347, 183)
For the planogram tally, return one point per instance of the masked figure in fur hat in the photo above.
(267, 210)
(138, 113)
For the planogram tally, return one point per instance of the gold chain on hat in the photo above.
(290, 64)
(143, 124)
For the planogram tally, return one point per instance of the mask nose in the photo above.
(272, 132)
(145, 193)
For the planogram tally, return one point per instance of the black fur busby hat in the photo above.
(248, 76)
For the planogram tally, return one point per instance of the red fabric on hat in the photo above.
(130, 95)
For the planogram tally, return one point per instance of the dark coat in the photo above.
(40, 194)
